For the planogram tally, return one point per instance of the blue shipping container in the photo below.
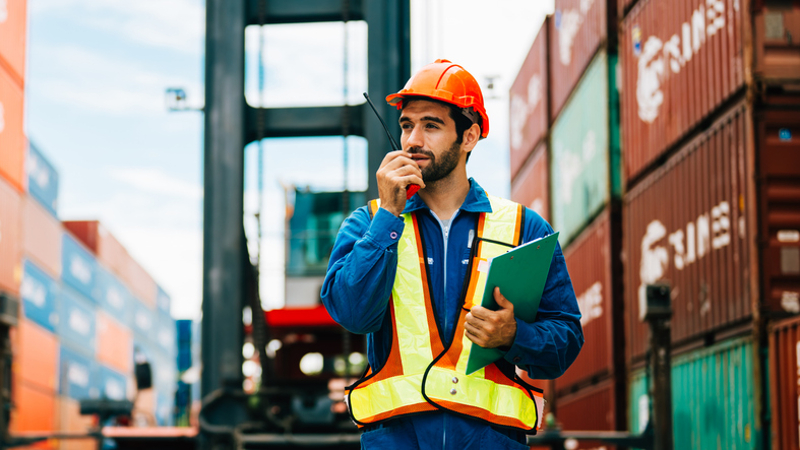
(77, 321)
(165, 335)
(39, 296)
(114, 297)
(112, 384)
(76, 377)
(42, 180)
(79, 267)
(142, 322)
(163, 301)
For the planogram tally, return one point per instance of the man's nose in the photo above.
(415, 139)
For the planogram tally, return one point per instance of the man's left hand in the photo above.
(491, 329)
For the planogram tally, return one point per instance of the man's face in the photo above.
(429, 135)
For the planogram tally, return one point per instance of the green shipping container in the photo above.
(585, 166)
(712, 398)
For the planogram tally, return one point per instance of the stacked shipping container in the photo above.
(709, 192)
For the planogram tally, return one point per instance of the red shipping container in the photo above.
(680, 61)
(779, 207)
(690, 224)
(36, 356)
(623, 6)
(101, 242)
(784, 383)
(531, 187)
(578, 29)
(10, 238)
(41, 237)
(12, 138)
(34, 410)
(595, 268)
(776, 27)
(114, 343)
(590, 409)
(529, 109)
(13, 21)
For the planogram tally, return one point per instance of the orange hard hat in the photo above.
(450, 83)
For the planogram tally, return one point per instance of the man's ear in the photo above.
(471, 137)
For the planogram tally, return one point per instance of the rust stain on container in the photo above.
(776, 28)
(784, 383)
(590, 409)
(41, 237)
(12, 138)
(531, 187)
(589, 263)
(13, 21)
(779, 203)
(577, 30)
(529, 114)
(686, 224)
(680, 61)
(10, 238)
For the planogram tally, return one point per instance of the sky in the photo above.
(97, 71)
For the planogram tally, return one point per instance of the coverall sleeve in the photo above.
(547, 347)
(361, 270)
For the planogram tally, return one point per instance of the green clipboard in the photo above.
(521, 274)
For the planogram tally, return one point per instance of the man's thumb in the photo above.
(501, 300)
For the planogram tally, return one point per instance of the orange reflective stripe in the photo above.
(517, 226)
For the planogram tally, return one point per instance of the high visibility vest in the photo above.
(421, 374)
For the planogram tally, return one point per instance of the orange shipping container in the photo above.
(12, 38)
(41, 237)
(114, 343)
(531, 186)
(140, 283)
(12, 138)
(69, 420)
(36, 356)
(10, 251)
(34, 410)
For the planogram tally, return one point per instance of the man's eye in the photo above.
(432, 125)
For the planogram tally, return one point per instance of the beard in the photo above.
(436, 170)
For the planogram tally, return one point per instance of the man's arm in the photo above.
(361, 270)
(547, 347)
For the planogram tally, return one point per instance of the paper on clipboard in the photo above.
(521, 274)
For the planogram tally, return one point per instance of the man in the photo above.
(408, 273)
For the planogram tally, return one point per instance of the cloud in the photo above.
(177, 25)
(156, 181)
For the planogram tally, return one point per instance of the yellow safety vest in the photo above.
(421, 374)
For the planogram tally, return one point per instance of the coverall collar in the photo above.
(476, 201)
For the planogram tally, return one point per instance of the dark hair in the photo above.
(463, 123)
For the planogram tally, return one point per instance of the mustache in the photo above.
(421, 151)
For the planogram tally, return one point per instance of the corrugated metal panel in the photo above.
(41, 237)
(784, 383)
(165, 335)
(589, 262)
(79, 267)
(36, 356)
(712, 398)
(529, 115)
(531, 187)
(10, 238)
(584, 160)
(114, 343)
(143, 322)
(77, 322)
(141, 284)
(12, 38)
(776, 27)
(40, 295)
(12, 138)
(102, 243)
(111, 383)
(779, 191)
(590, 409)
(623, 6)
(578, 29)
(680, 61)
(686, 224)
(69, 420)
(163, 301)
(42, 179)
